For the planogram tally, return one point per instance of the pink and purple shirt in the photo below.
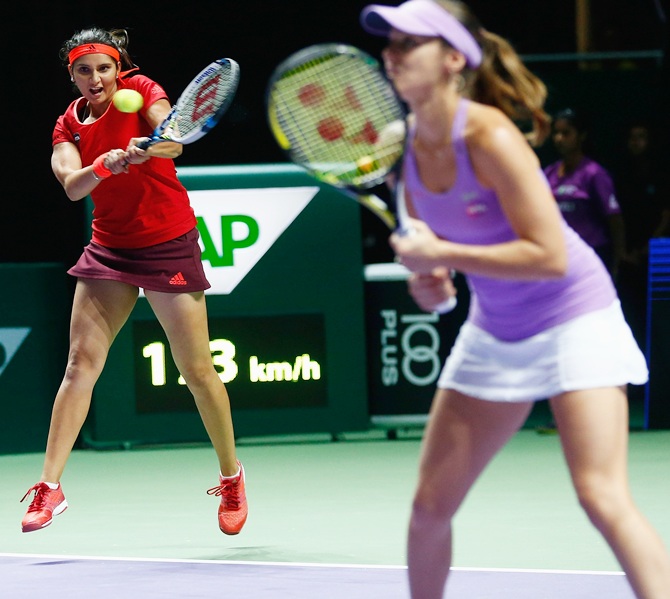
(469, 213)
(586, 199)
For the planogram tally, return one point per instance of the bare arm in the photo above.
(78, 182)
(156, 114)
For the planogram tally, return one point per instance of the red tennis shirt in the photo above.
(149, 205)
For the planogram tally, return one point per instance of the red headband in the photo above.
(93, 49)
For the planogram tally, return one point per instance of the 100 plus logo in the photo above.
(238, 226)
(410, 348)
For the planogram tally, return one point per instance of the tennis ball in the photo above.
(128, 100)
(365, 164)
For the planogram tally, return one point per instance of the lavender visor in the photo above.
(422, 17)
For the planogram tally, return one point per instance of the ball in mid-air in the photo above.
(128, 100)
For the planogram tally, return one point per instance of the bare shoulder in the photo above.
(488, 127)
(491, 135)
(495, 143)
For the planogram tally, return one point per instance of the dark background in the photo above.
(172, 41)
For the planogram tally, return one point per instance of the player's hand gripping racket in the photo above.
(200, 106)
(335, 114)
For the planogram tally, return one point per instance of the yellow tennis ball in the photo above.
(365, 164)
(128, 100)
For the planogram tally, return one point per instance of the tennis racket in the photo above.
(334, 113)
(200, 106)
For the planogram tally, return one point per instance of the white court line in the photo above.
(198, 561)
(298, 564)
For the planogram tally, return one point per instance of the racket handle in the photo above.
(446, 306)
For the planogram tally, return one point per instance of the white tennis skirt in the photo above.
(593, 350)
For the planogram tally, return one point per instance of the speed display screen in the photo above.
(274, 361)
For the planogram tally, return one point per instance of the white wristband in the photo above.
(446, 306)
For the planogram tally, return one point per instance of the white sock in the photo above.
(233, 476)
(51, 485)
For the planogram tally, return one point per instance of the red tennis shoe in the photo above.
(233, 507)
(46, 504)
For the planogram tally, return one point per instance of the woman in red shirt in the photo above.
(144, 236)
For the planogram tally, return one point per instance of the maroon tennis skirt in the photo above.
(173, 267)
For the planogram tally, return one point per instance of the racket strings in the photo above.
(197, 110)
(341, 119)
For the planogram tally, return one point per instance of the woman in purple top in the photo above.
(544, 318)
(585, 191)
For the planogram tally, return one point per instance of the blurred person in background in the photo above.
(584, 190)
(644, 196)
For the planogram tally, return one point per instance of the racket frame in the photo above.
(161, 133)
(298, 63)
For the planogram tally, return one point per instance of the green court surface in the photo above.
(317, 500)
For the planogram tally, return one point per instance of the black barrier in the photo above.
(406, 347)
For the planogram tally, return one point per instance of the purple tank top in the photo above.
(469, 213)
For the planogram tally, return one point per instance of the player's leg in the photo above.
(183, 316)
(462, 436)
(184, 319)
(99, 310)
(593, 425)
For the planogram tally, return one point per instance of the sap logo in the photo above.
(238, 226)
(10, 341)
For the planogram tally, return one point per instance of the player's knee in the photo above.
(604, 502)
(83, 363)
(432, 509)
(197, 375)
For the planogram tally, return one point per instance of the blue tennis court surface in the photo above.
(76, 577)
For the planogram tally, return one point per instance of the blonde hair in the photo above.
(502, 80)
